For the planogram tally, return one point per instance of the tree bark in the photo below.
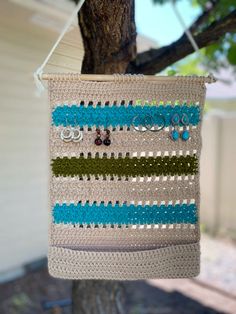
(109, 37)
(98, 297)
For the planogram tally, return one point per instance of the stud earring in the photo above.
(185, 121)
(174, 135)
(66, 133)
(107, 140)
(77, 134)
(98, 140)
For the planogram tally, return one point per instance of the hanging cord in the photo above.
(189, 35)
(185, 28)
(39, 72)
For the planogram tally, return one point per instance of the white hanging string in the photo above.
(185, 28)
(189, 35)
(39, 72)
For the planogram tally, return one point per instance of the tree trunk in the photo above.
(109, 37)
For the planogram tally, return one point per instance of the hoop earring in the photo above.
(77, 134)
(136, 128)
(185, 121)
(66, 133)
(162, 125)
(174, 135)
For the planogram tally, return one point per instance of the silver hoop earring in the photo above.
(162, 124)
(77, 134)
(136, 128)
(66, 133)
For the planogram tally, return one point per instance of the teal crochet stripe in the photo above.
(128, 167)
(108, 214)
(122, 115)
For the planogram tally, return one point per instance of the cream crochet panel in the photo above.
(83, 248)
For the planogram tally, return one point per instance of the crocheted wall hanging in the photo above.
(125, 176)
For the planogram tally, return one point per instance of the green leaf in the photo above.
(231, 55)
(171, 72)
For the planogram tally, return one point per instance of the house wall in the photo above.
(218, 173)
(23, 136)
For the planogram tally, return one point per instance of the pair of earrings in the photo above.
(106, 141)
(175, 120)
(71, 135)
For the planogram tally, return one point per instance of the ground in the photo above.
(214, 291)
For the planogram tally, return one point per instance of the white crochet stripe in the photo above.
(136, 144)
(132, 192)
(176, 261)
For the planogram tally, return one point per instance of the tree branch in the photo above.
(156, 60)
(203, 17)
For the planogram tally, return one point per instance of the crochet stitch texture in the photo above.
(129, 210)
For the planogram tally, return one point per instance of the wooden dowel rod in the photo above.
(109, 78)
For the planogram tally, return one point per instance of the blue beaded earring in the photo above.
(175, 121)
(185, 122)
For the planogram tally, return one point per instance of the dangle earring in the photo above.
(98, 140)
(107, 140)
(66, 133)
(185, 121)
(174, 135)
(77, 134)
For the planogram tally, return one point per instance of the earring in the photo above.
(160, 124)
(77, 134)
(107, 140)
(139, 127)
(185, 122)
(175, 121)
(98, 140)
(66, 133)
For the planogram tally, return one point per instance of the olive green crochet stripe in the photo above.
(128, 167)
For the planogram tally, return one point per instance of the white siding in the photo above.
(23, 137)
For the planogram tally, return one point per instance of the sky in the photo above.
(159, 22)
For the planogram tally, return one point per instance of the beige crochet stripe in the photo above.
(122, 142)
(73, 92)
(65, 191)
(126, 239)
(177, 261)
(130, 179)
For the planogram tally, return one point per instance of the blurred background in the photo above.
(28, 29)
